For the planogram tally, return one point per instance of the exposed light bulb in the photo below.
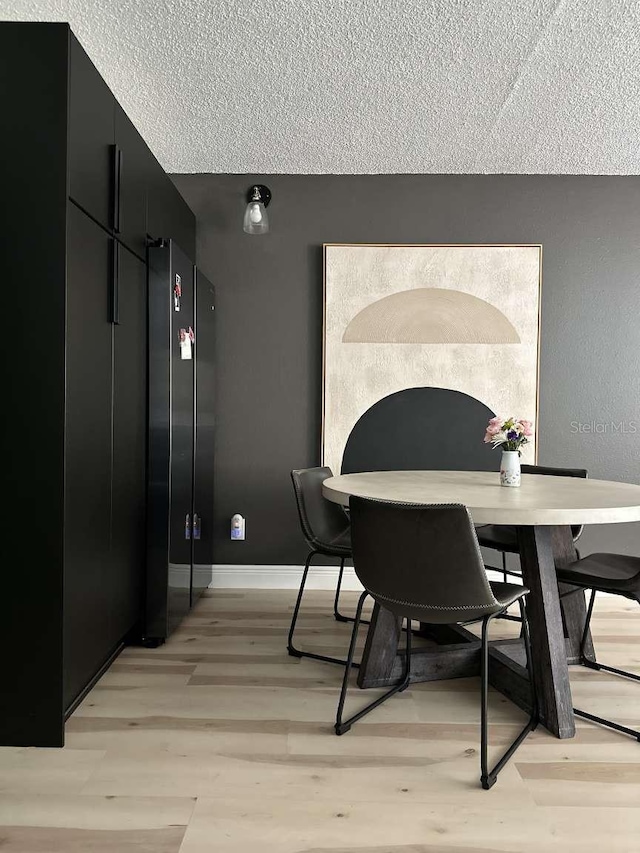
(255, 213)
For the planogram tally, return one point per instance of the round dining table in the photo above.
(542, 509)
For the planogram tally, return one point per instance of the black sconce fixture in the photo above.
(256, 220)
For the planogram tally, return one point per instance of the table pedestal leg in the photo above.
(547, 635)
(380, 649)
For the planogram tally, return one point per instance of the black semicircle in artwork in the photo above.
(421, 429)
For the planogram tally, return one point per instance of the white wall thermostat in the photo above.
(237, 526)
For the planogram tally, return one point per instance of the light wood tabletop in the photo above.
(539, 500)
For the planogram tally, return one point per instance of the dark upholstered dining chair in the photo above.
(326, 527)
(613, 573)
(504, 538)
(423, 563)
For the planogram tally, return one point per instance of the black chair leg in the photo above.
(293, 651)
(585, 633)
(343, 726)
(608, 723)
(505, 575)
(504, 615)
(340, 617)
(488, 777)
(593, 664)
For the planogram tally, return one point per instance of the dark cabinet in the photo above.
(91, 137)
(105, 449)
(125, 581)
(87, 451)
(33, 146)
(133, 161)
(168, 215)
(113, 176)
(76, 467)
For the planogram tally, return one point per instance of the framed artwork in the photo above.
(422, 344)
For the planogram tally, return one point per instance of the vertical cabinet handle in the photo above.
(114, 306)
(196, 525)
(187, 526)
(116, 186)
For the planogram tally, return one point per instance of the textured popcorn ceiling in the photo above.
(367, 86)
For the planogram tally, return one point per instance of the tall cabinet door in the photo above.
(182, 427)
(87, 452)
(135, 161)
(204, 437)
(91, 137)
(126, 572)
(168, 215)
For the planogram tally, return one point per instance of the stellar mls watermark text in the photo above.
(605, 427)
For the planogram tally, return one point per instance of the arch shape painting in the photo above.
(459, 317)
(403, 432)
(431, 315)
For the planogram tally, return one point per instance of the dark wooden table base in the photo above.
(556, 626)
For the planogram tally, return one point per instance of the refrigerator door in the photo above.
(204, 435)
(171, 438)
(182, 427)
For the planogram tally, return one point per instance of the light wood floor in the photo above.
(220, 742)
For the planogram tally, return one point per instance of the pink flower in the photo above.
(494, 429)
(527, 428)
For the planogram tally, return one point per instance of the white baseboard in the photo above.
(231, 576)
(228, 576)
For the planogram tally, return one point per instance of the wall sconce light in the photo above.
(256, 220)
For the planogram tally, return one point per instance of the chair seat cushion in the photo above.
(507, 593)
(504, 593)
(500, 538)
(338, 547)
(606, 572)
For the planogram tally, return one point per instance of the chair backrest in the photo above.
(420, 559)
(576, 529)
(322, 521)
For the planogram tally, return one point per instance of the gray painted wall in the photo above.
(269, 315)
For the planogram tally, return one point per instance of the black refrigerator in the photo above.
(181, 438)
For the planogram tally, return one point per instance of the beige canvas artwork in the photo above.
(459, 317)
